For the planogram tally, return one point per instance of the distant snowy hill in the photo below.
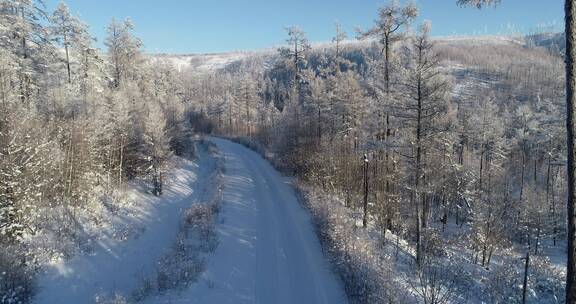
(480, 39)
(201, 63)
(204, 63)
(551, 41)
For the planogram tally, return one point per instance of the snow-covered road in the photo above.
(268, 250)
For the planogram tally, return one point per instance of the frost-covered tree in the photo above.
(156, 146)
(69, 32)
(393, 19)
(295, 51)
(426, 96)
(389, 28)
(246, 97)
(338, 38)
(26, 37)
(69, 137)
(297, 45)
(123, 50)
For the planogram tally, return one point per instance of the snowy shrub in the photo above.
(250, 144)
(504, 284)
(199, 221)
(115, 299)
(438, 282)
(547, 282)
(16, 277)
(433, 245)
(364, 268)
(185, 261)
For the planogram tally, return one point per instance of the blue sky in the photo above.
(203, 26)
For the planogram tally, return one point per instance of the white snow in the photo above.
(268, 251)
(201, 63)
(481, 39)
(117, 266)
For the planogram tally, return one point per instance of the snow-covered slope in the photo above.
(204, 63)
(268, 251)
(480, 39)
(201, 63)
(118, 266)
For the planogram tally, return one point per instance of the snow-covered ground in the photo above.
(116, 265)
(268, 251)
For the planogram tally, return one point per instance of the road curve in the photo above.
(268, 250)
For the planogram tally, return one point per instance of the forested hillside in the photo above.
(434, 169)
(449, 152)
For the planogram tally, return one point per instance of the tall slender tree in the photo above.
(295, 51)
(68, 32)
(123, 49)
(426, 93)
(339, 38)
(393, 19)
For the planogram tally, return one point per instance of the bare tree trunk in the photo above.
(67, 58)
(248, 123)
(489, 257)
(486, 240)
(548, 171)
(121, 161)
(319, 125)
(365, 218)
(387, 131)
(418, 230)
(522, 175)
(570, 11)
(461, 154)
(71, 169)
(525, 285)
(535, 169)
(537, 241)
(24, 48)
(110, 166)
(481, 168)
(23, 77)
(387, 63)
(230, 117)
(417, 180)
(554, 215)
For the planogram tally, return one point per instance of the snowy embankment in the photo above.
(120, 265)
(268, 251)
